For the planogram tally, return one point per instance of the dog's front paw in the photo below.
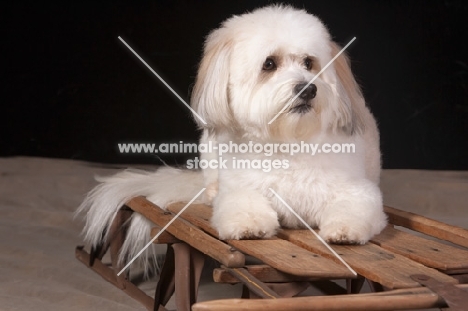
(247, 225)
(355, 216)
(244, 215)
(342, 233)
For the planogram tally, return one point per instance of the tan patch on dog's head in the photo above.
(351, 109)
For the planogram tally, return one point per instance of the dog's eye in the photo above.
(308, 63)
(269, 64)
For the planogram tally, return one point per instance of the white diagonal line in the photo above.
(311, 81)
(161, 79)
(313, 231)
(161, 231)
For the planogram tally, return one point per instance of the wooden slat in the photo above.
(197, 214)
(264, 273)
(164, 237)
(428, 252)
(440, 230)
(252, 283)
(369, 260)
(188, 233)
(290, 258)
(402, 299)
(277, 253)
(269, 275)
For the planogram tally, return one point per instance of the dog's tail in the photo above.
(161, 187)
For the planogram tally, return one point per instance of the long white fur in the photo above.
(162, 187)
(339, 193)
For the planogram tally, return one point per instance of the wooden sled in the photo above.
(405, 270)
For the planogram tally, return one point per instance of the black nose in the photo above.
(308, 93)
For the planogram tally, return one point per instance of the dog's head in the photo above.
(257, 68)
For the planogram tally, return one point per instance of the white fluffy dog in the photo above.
(253, 66)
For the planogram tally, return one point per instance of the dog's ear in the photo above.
(349, 103)
(210, 95)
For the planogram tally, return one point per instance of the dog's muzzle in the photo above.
(303, 102)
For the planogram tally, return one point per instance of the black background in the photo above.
(73, 90)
